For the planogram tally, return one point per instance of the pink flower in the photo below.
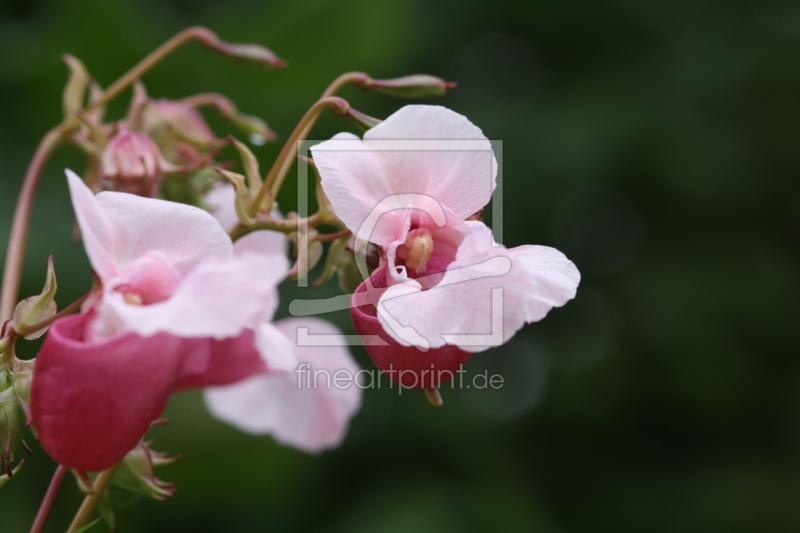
(177, 309)
(444, 289)
(304, 408)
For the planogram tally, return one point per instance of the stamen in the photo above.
(133, 298)
(416, 251)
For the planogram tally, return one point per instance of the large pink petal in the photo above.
(298, 409)
(553, 279)
(219, 298)
(96, 228)
(486, 295)
(122, 227)
(357, 185)
(92, 402)
(221, 201)
(419, 150)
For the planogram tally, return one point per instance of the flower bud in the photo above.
(132, 163)
(414, 86)
(171, 121)
(21, 384)
(256, 129)
(244, 198)
(35, 309)
(75, 91)
(308, 251)
(349, 275)
(136, 476)
(12, 422)
(362, 121)
(249, 52)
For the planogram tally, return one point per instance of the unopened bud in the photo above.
(12, 424)
(250, 164)
(35, 309)
(131, 162)
(171, 121)
(256, 129)
(414, 86)
(336, 258)
(136, 473)
(364, 122)
(248, 52)
(244, 198)
(74, 94)
(308, 251)
(349, 274)
(21, 384)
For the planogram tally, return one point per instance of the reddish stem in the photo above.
(19, 227)
(49, 497)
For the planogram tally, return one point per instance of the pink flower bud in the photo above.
(168, 121)
(414, 86)
(132, 163)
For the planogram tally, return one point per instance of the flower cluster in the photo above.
(187, 256)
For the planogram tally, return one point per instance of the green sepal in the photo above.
(35, 309)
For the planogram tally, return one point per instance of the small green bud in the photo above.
(308, 252)
(362, 121)
(74, 94)
(21, 384)
(250, 164)
(12, 425)
(335, 260)
(244, 198)
(35, 309)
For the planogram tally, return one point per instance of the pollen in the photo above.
(133, 298)
(416, 251)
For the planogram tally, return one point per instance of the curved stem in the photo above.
(204, 35)
(328, 237)
(284, 226)
(49, 497)
(284, 161)
(359, 79)
(91, 500)
(15, 253)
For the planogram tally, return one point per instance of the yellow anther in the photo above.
(133, 298)
(417, 251)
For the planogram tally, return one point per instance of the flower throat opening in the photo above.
(417, 250)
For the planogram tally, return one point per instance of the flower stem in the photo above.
(90, 502)
(328, 237)
(15, 253)
(359, 79)
(189, 34)
(49, 497)
(285, 159)
(283, 226)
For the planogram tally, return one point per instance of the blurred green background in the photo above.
(656, 143)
